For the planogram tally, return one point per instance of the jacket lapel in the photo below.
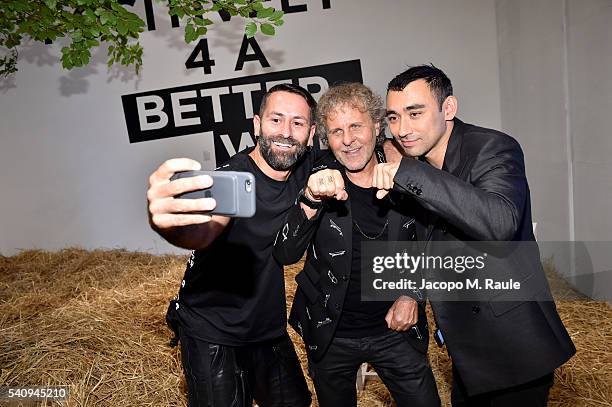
(452, 157)
(452, 164)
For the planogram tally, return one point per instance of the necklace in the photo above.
(372, 237)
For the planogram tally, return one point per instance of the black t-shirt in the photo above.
(370, 223)
(233, 292)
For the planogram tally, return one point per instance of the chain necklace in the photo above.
(372, 237)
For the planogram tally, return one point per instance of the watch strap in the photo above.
(309, 202)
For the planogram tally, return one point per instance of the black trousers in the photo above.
(404, 370)
(227, 376)
(530, 394)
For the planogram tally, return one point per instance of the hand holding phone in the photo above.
(166, 213)
(234, 192)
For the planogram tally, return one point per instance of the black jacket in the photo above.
(323, 282)
(482, 195)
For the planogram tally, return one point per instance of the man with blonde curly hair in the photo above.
(336, 213)
(357, 96)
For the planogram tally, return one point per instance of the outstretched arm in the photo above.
(489, 207)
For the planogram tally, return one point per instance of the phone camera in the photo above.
(248, 186)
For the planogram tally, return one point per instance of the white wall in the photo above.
(589, 43)
(533, 98)
(68, 173)
(556, 98)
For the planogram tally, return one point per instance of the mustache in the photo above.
(281, 139)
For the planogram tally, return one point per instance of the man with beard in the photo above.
(230, 314)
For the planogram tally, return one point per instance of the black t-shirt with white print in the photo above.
(233, 292)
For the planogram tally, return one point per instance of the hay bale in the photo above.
(95, 320)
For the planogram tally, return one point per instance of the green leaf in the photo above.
(202, 21)
(177, 11)
(250, 29)
(267, 29)
(85, 56)
(107, 17)
(51, 4)
(278, 22)
(265, 13)
(80, 59)
(51, 35)
(77, 36)
(190, 33)
(67, 61)
(90, 16)
(277, 14)
(122, 27)
(135, 27)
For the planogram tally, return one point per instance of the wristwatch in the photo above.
(316, 205)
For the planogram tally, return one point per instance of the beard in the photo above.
(280, 160)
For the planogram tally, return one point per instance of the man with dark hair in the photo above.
(339, 329)
(470, 183)
(439, 84)
(230, 313)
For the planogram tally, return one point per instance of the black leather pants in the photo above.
(227, 376)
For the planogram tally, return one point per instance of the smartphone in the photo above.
(234, 192)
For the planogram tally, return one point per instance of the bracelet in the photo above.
(309, 202)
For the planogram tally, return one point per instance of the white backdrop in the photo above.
(70, 176)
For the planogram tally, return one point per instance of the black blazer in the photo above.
(482, 195)
(323, 282)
